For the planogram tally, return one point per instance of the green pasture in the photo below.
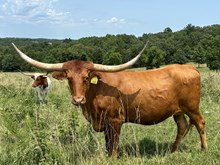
(58, 134)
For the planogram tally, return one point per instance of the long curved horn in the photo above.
(97, 67)
(116, 68)
(46, 66)
(33, 74)
(26, 74)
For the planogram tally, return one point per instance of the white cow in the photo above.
(42, 85)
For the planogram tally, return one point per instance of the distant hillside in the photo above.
(191, 44)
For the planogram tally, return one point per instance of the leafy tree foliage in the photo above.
(167, 30)
(155, 57)
(191, 44)
(112, 58)
(179, 57)
(199, 54)
(213, 55)
(7, 63)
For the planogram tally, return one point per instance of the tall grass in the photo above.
(57, 133)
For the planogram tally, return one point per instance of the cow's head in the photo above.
(78, 73)
(39, 79)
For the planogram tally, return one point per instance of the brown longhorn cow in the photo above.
(110, 97)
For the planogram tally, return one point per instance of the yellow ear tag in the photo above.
(94, 80)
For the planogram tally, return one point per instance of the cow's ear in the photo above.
(94, 74)
(59, 75)
(94, 77)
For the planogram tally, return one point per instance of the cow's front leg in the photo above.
(38, 96)
(112, 133)
(45, 97)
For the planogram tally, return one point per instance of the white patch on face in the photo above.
(36, 75)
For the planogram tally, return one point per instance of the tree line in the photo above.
(191, 44)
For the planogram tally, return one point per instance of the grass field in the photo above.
(57, 133)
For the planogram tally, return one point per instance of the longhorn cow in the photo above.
(42, 84)
(110, 96)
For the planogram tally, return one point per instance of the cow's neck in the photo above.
(93, 116)
(45, 84)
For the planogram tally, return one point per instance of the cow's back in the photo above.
(148, 96)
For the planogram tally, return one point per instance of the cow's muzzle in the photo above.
(34, 85)
(78, 100)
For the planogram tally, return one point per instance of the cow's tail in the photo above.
(189, 128)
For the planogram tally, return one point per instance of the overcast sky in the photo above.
(60, 19)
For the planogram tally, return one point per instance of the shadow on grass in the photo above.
(148, 147)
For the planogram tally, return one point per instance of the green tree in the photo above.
(179, 57)
(169, 48)
(189, 28)
(213, 55)
(199, 55)
(155, 57)
(97, 57)
(112, 58)
(8, 63)
(167, 30)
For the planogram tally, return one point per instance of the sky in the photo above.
(75, 19)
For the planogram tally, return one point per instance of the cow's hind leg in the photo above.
(197, 119)
(181, 129)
